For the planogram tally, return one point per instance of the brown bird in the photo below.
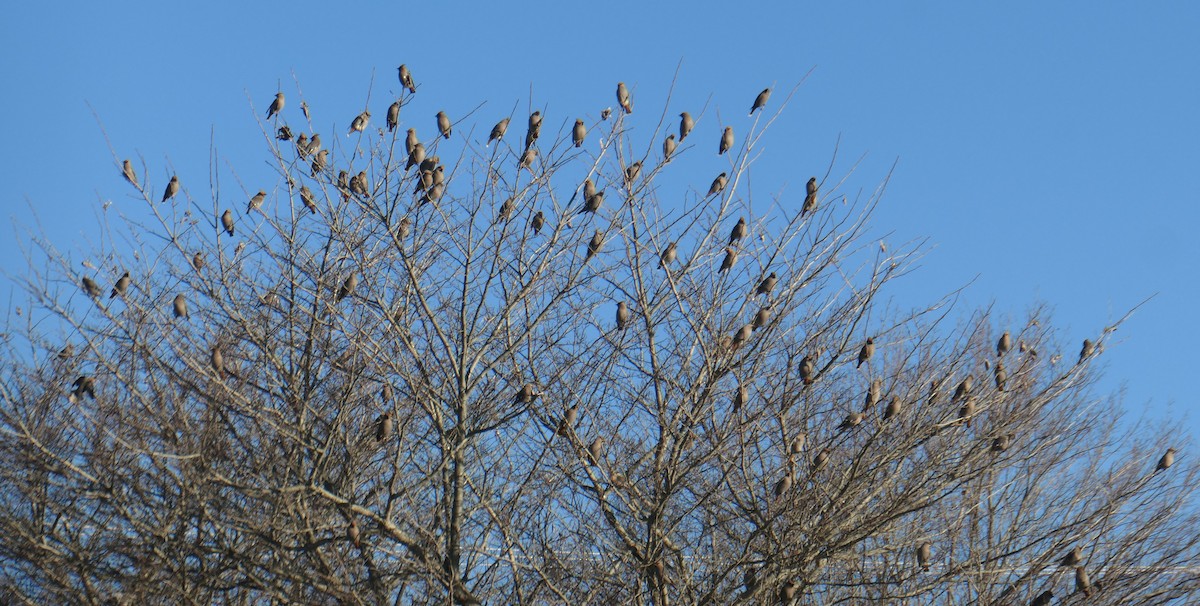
(787, 592)
(1004, 344)
(403, 228)
(1167, 460)
(605, 113)
(306, 196)
(868, 350)
(359, 124)
(761, 318)
(179, 306)
(1001, 443)
(527, 159)
(668, 147)
(535, 128)
(121, 286)
(1001, 376)
(393, 116)
(172, 188)
(767, 285)
(567, 424)
(874, 393)
(966, 411)
(127, 170)
(358, 183)
(1073, 557)
(731, 254)
(594, 245)
(726, 141)
(497, 131)
(622, 315)
(810, 197)
(808, 370)
(347, 287)
(1087, 351)
(537, 222)
(964, 388)
(227, 221)
(740, 397)
(276, 106)
(739, 231)
(589, 189)
(592, 203)
(631, 173)
(353, 534)
(1043, 599)
(304, 110)
(284, 133)
(84, 385)
(67, 352)
(686, 124)
(302, 146)
(623, 98)
(320, 161)
(435, 193)
(385, 393)
(256, 201)
(443, 123)
(383, 427)
(198, 261)
(783, 485)
(668, 255)
(527, 394)
(820, 460)
(429, 164)
(218, 362)
(596, 450)
(852, 420)
(1082, 583)
(411, 142)
(742, 335)
(416, 157)
(924, 553)
(506, 209)
(578, 133)
(718, 184)
(797, 445)
(314, 144)
(761, 100)
(406, 79)
(90, 287)
(893, 408)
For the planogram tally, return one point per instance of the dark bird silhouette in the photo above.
(718, 184)
(256, 201)
(686, 124)
(668, 255)
(84, 385)
(594, 245)
(924, 553)
(761, 100)
(306, 196)
(1004, 344)
(121, 286)
(1167, 460)
(443, 124)
(578, 133)
(227, 221)
(90, 287)
(868, 350)
(731, 254)
(1087, 351)
(783, 485)
(567, 424)
(623, 98)
(726, 141)
(497, 131)
(596, 450)
(127, 171)
(808, 370)
(740, 398)
(1073, 557)
(810, 197)
(276, 105)
(347, 287)
(179, 306)
(631, 173)
(284, 133)
(506, 209)
(383, 427)
(761, 318)
(767, 285)
(538, 221)
(1001, 443)
(738, 232)
(172, 188)
(393, 116)
(1043, 599)
(787, 592)
(622, 315)
(406, 79)
(893, 408)
(668, 148)
(527, 394)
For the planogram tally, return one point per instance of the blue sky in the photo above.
(1049, 153)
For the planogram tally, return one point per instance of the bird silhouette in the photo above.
(668, 255)
(179, 306)
(121, 286)
(498, 131)
(276, 105)
(347, 287)
(172, 188)
(1167, 460)
(306, 196)
(767, 285)
(761, 100)
(726, 141)
(686, 124)
(256, 201)
(731, 254)
(718, 185)
(406, 79)
(393, 116)
(1087, 350)
(383, 427)
(594, 245)
(868, 350)
(808, 370)
(668, 148)
(761, 318)
(578, 133)
(738, 232)
(227, 221)
(622, 315)
(537, 222)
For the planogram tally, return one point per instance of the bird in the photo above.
(416, 157)
(385, 393)
(966, 411)
(284, 133)
(761, 100)
(91, 287)
(868, 350)
(121, 286)
(353, 534)
(358, 183)
(718, 184)
(84, 385)
(731, 254)
(276, 106)
(589, 189)
(383, 427)
(924, 552)
(622, 315)
(198, 260)
(740, 398)
(443, 123)
(767, 285)
(172, 188)
(429, 164)
(506, 209)
(726, 141)
(808, 370)
(686, 124)
(893, 408)
(623, 98)
(605, 113)
(179, 306)
(306, 196)
(738, 232)
(761, 318)
(567, 424)
(1167, 460)
(1082, 583)
(403, 227)
(347, 287)
(783, 485)
(668, 255)
(852, 420)
(1001, 443)
(594, 245)
(527, 394)
(393, 116)
(535, 128)
(874, 393)
(820, 460)
(797, 444)
(218, 362)
(1004, 344)
(1001, 377)
(227, 221)
(787, 592)
(320, 161)
(742, 335)
(411, 141)
(527, 159)
(964, 388)
(498, 131)
(359, 124)
(1087, 351)
(406, 79)
(596, 450)
(592, 203)
(1073, 557)
(537, 222)
(435, 193)
(1043, 599)
(668, 147)
(314, 144)
(810, 197)
(631, 172)
(127, 170)
(578, 133)
(304, 110)
(67, 352)
(256, 201)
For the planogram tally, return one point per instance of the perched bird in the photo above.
(788, 591)
(1001, 376)
(358, 183)
(1004, 344)
(276, 106)
(385, 393)
(1001, 443)
(314, 144)
(198, 260)
(302, 146)
(284, 133)
(783, 485)
(306, 196)
(797, 444)
(435, 193)
(537, 222)
(527, 394)
(443, 124)
(1043, 599)
(179, 306)
(592, 203)
(893, 408)
(622, 315)
(740, 397)
(406, 79)
(347, 287)
(1073, 557)
(605, 113)
(668, 255)
(686, 124)
(227, 221)
(304, 110)
(359, 124)
(589, 189)
(718, 184)
(535, 128)
(393, 116)
(731, 254)
(924, 553)
(1087, 351)
(668, 147)
(761, 318)
(527, 159)
(594, 245)
(127, 170)
(868, 350)
(84, 385)
(353, 534)
(410, 141)
(623, 98)
(343, 184)
(256, 201)
(631, 173)
(874, 393)
(966, 411)
(172, 188)
(738, 232)
(567, 424)
(852, 420)
(320, 161)
(596, 450)
(767, 285)
(91, 287)
(761, 100)
(808, 370)
(1082, 583)
(810, 197)
(218, 362)
(742, 335)
(820, 460)
(498, 131)
(964, 388)
(1167, 460)
(383, 427)
(121, 286)
(578, 133)
(67, 352)
(726, 141)
(403, 228)
(506, 209)
(429, 164)
(416, 157)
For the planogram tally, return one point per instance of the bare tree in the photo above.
(442, 371)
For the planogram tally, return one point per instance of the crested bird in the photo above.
(964, 388)
(761, 100)
(726, 141)
(227, 221)
(127, 171)
(668, 147)
(179, 306)
(1001, 376)
(121, 286)
(218, 361)
(924, 553)
(810, 197)
(622, 315)
(1043, 599)
(668, 255)
(686, 124)
(567, 424)
(868, 350)
(84, 385)
(874, 393)
(852, 420)
(256, 201)
(783, 485)
(594, 245)
(393, 116)
(623, 98)
(808, 370)
(383, 426)
(761, 318)
(198, 260)
(443, 124)
(527, 159)
(1167, 460)
(91, 287)
(359, 123)
(767, 285)
(172, 188)
(631, 173)
(893, 408)
(276, 106)
(731, 254)
(739, 231)
(347, 287)
(306, 196)
(406, 79)
(411, 141)
(1088, 349)
(718, 184)
(596, 450)
(1004, 344)
(578, 133)
(527, 394)
(797, 444)
(537, 222)
(498, 131)
(416, 157)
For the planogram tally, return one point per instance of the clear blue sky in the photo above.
(1052, 151)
